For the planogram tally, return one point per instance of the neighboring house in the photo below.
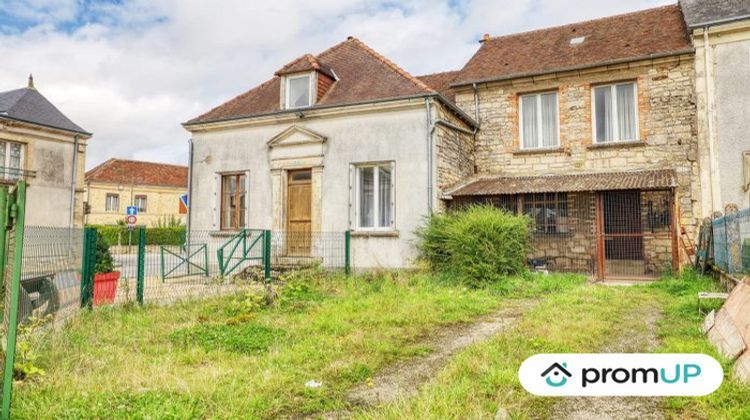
(154, 188)
(588, 128)
(342, 140)
(723, 89)
(41, 145)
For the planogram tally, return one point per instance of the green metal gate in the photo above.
(12, 212)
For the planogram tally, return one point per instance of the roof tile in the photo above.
(629, 36)
(363, 75)
(128, 172)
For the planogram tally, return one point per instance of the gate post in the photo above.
(17, 211)
(267, 254)
(141, 263)
(347, 252)
(87, 267)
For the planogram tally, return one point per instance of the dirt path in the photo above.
(633, 340)
(404, 379)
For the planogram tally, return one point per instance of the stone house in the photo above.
(720, 32)
(157, 189)
(588, 128)
(39, 144)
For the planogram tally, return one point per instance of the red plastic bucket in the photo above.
(105, 287)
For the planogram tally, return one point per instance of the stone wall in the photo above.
(454, 151)
(667, 126)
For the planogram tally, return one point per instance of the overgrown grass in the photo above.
(680, 332)
(484, 378)
(237, 357)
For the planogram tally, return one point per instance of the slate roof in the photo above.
(122, 171)
(28, 105)
(632, 36)
(633, 180)
(363, 75)
(702, 12)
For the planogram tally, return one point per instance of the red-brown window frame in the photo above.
(240, 224)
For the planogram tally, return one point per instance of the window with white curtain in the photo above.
(298, 91)
(112, 202)
(615, 113)
(374, 198)
(539, 121)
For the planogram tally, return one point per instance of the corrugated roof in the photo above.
(700, 12)
(28, 105)
(363, 75)
(635, 35)
(122, 171)
(634, 180)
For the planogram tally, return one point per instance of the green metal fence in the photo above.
(54, 273)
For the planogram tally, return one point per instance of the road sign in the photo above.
(132, 211)
(131, 220)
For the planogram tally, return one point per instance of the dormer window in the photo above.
(299, 91)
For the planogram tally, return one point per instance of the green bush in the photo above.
(104, 262)
(479, 245)
(118, 235)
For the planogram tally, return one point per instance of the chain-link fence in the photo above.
(731, 242)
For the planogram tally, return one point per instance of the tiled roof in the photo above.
(636, 180)
(307, 62)
(128, 172)
(30, 106)
(700, 12)
(619, 38)
(441, 82)
(363, 75)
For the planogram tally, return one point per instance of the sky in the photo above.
(131, 71)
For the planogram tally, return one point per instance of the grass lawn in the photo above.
(236, 357)
(484, 378)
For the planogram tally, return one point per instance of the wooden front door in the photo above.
(299, 212)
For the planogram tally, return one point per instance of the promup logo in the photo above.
(621, 374)
(556, 375)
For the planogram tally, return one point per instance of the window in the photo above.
(539, 121)
(10, 160)
(374, 196)
(548, 210)
(233, 201)
(112, 202)
(298, 91)
(615, 113)
(140, 203)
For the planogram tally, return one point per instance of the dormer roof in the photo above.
(307, 62)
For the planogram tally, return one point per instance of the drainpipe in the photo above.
(430, 129)
(476, 103)
(73, 185)
(190, 189)
(709, 116)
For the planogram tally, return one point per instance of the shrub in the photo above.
(746, 255)
(104, 262)
(479, 245)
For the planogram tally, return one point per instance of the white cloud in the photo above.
(136, 70)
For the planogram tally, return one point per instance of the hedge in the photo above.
(479, 245)
(115, 235)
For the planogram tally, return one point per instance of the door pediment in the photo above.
(295, 146)
(296, 136)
